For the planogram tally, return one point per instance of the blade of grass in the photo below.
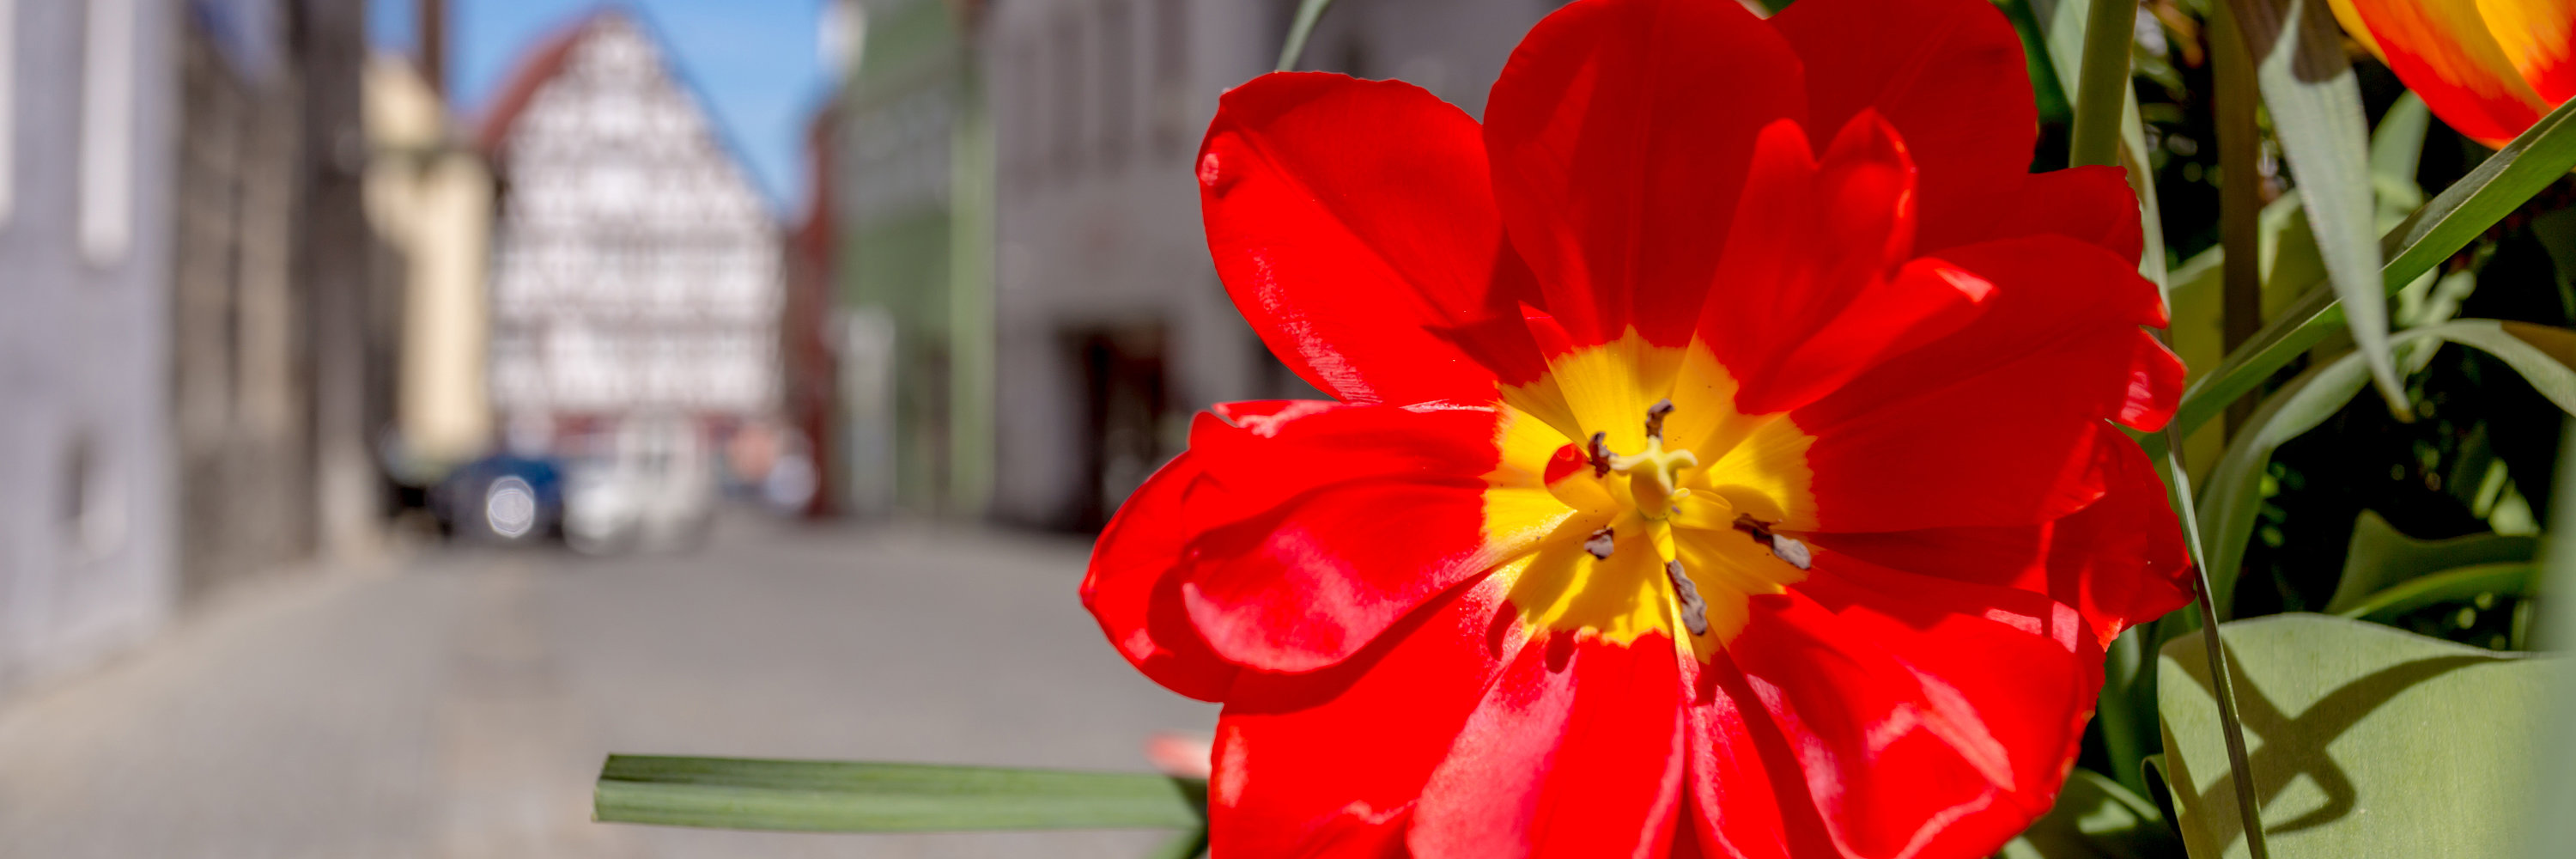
(2316, 113)
(836, 796)
(1300, 27)
(2439, 229)
(2104, 94)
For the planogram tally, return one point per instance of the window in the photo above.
(92, 511)
(107, 131)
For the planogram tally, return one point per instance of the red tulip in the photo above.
(1722, 457)
(2488, 68)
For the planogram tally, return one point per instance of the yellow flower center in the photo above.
(1669, 524)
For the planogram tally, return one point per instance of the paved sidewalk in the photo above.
(459, 707)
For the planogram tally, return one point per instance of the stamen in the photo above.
(1600, 452)
(1694, 609)
(1600, 544)
(1655, 417)
(1785, 548)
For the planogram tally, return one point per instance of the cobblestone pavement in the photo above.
(458, 705)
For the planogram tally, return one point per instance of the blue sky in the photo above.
(754, 63)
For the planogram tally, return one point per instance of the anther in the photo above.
(1655, 417)
(1600, 452)
(1785, 548)
(1600, 544)
(1694, 609)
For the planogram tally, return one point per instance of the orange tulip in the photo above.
(2489, 68)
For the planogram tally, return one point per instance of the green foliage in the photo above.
(1299, 28)
(2096, 818)
(2381, 558)
(2367, 741)
(833, 796)
(2232, 496)
(2441, 228)
(2316, 111)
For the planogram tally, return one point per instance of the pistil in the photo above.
(1653, 474)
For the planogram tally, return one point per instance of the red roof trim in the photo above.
(540, 66)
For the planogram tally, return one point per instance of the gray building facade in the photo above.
(1111, 326)
(88, 98)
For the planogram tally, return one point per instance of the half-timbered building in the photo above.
(635, 268)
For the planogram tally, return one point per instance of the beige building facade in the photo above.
(429, 195)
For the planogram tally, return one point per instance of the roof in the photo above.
(540, 66)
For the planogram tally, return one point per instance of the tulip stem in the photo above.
(2101, 87)
(1308, 12)
(2249, 811)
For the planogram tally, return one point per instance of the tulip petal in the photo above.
(1256, 462)
(2539, 36)
(1130, 588)
(2119, 561)
(1889, 715)
(1619, 134)
(1576, 751)
(1813, 286)
(2092, 204)
(1354, 226)
(1331, 763)
(1948, 74)
(2443, 51)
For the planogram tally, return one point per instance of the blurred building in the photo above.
(636, 271)
(1112, 327)
(429, 196)
(275, 338)
(809, 332)
(911, 206)
(88, 535)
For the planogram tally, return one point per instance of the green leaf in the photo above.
(2364, 740)
(1187, 845)
(2396, 148)
(2554, 752)
(836, 796)
(2494, 189)
(2096, 818)
(2507, 578)
(2232, 496)
(2316, 114)
(2379, 557)
(1300, 27)
(2044, 88)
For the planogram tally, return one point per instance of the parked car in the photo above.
(502, 498)
(648, 485)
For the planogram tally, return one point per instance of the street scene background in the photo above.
(406, 403)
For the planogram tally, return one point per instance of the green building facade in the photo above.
(912, 204)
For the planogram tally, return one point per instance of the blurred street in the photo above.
(457, 702)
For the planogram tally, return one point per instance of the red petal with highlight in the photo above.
(1353, 223)
(1130, 588)
(1922, 716)
(1576, 751)
(1619, 134)
(1331, 763)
